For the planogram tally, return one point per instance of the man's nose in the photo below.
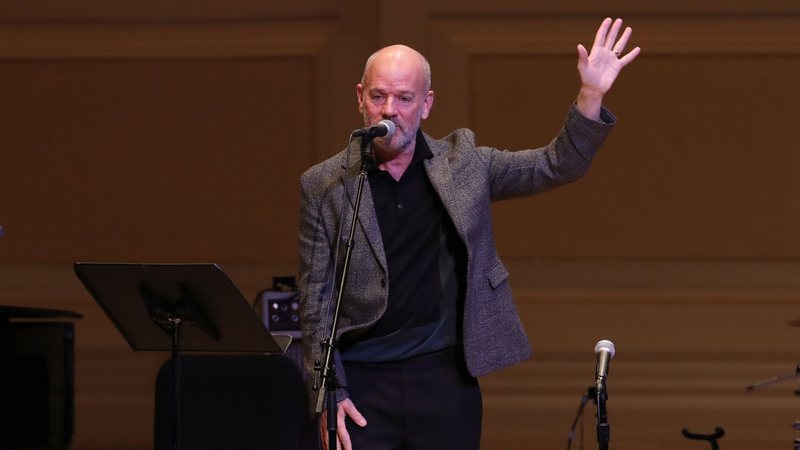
(388, 107)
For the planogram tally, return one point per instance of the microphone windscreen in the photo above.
(605, 345)
(390, 127)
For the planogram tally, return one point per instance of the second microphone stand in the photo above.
(327, 385)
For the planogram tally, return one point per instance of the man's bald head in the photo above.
(400, 54)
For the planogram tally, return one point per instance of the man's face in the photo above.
(394, 88)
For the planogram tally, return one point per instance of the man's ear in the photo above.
(428, 104)
(360, 97)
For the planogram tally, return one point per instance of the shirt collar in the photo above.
(421, 152)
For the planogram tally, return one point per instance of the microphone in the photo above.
(605, 351)
(384, 128)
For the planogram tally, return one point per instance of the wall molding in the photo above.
(740, 281)
(673, 35)
(169, 41)
(752, 35)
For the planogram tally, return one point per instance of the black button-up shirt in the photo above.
(426, 262)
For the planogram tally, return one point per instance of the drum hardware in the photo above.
(711, 438)
(779, 379)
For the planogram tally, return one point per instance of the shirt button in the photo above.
(399, 206)
(383, 282)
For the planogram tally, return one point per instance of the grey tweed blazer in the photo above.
(467, 178)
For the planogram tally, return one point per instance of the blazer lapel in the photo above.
(441, 178)
(367, 218)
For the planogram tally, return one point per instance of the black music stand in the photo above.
(178, 307)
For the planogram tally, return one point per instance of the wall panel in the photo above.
(706, 178)
(106, 156)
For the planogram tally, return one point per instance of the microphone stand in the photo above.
(603, 428)
(327, 385)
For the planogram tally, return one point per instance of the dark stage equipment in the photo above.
(37, 382)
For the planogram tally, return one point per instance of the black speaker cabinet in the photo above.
(36, 379)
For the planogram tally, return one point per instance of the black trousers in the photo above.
(424, 403)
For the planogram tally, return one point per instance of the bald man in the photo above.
(427, 307)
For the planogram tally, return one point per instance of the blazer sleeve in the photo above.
(566, 158)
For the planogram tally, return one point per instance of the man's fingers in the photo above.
(619, 46)
(611, 37)
(630, 56)
(344, 439)
(582, 53)
(600, 37)
(353, 413)
(323, 431)
(357, 418)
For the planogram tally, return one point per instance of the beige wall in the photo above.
(177, 132)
